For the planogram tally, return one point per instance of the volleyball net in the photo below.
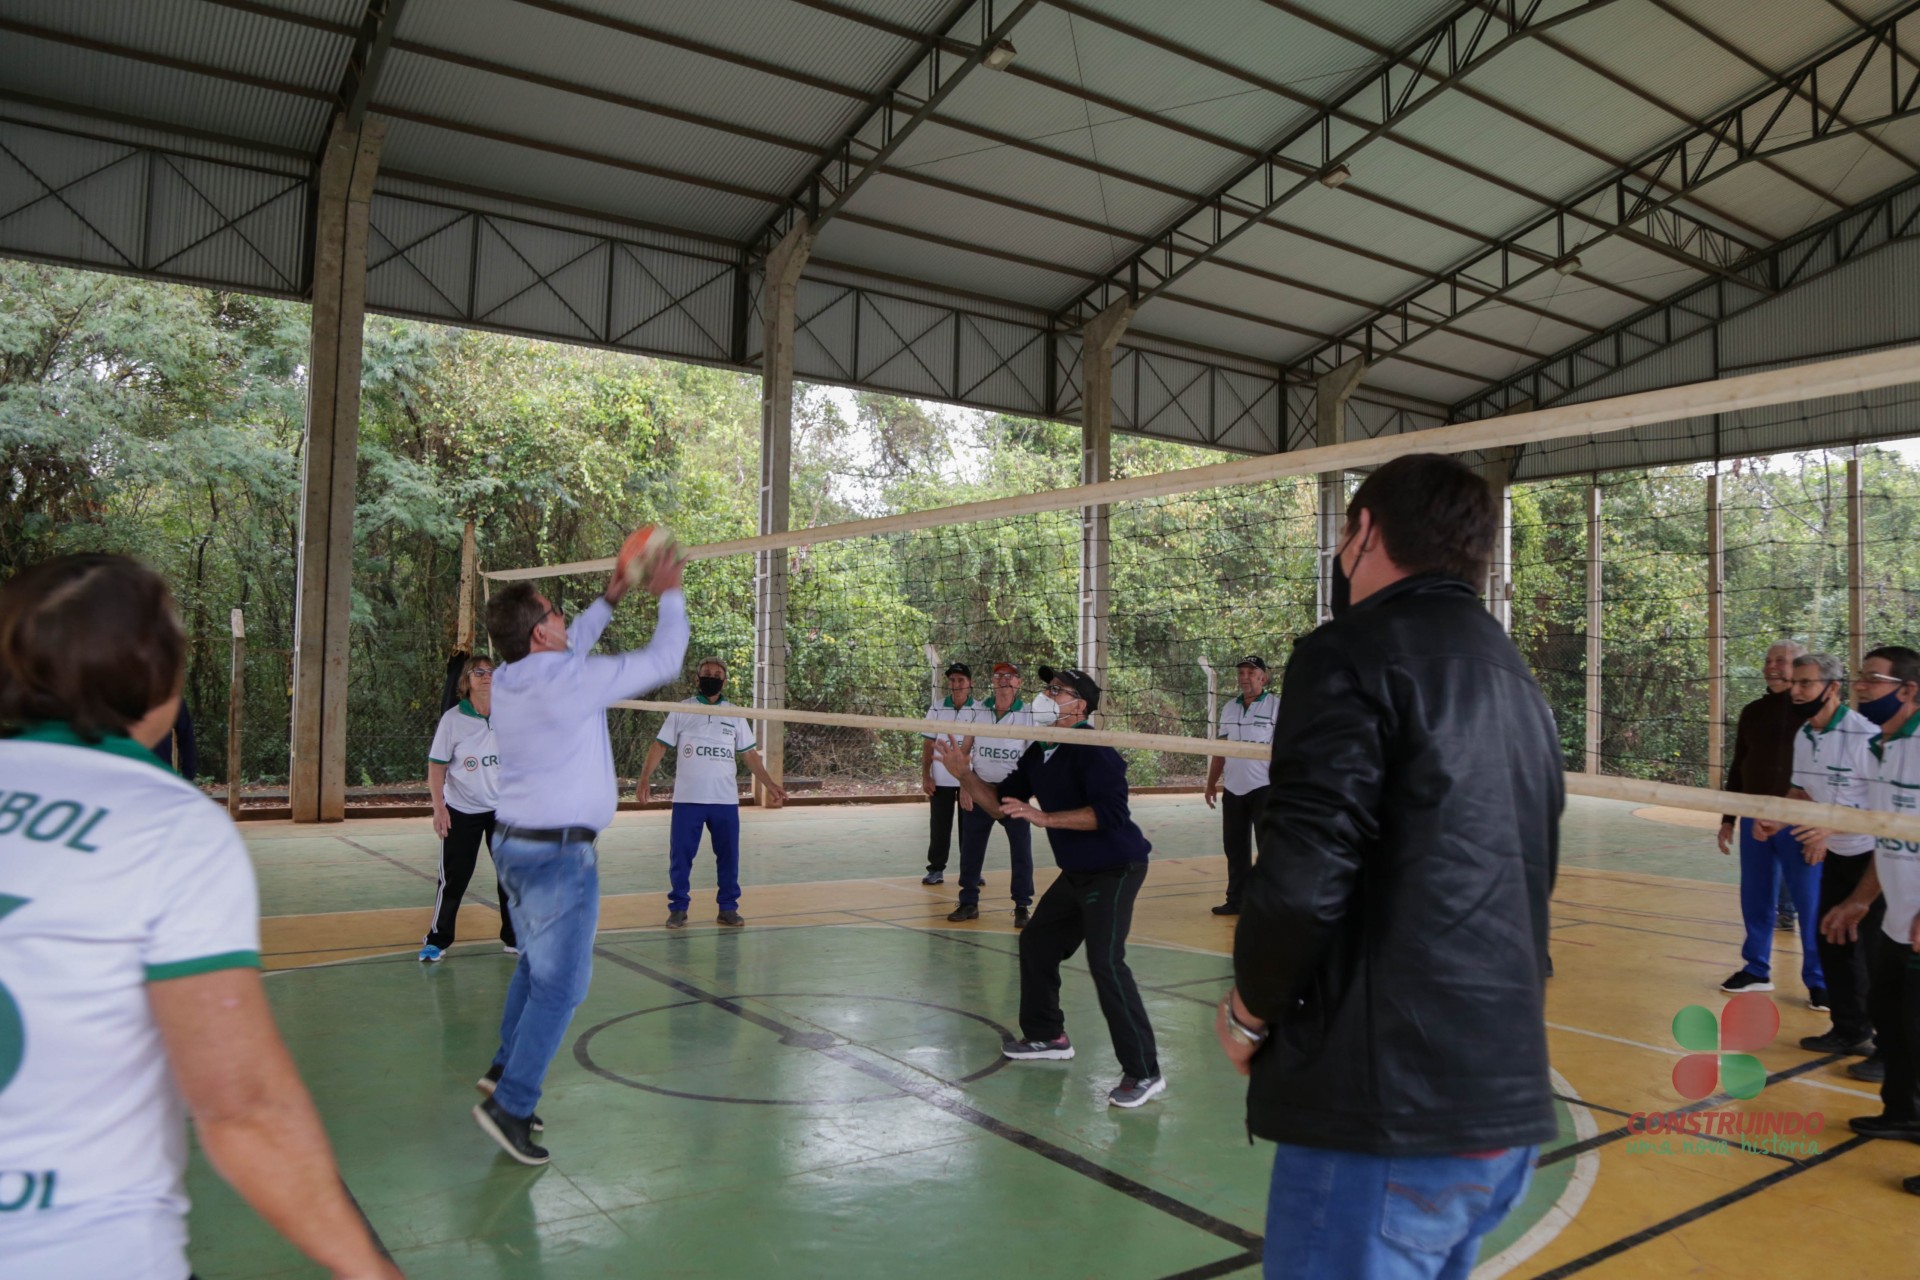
(1212, 563)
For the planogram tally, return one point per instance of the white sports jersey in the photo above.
(114, 873)
(464, 743)
(1247, 722)
(994, 758)
(966, 713)
(1896, 789)
(704, 771)
(1833, 764)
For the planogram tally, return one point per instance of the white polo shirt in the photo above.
(1896, 789)
(114, 873)
(994, 758)
(1833, 763)
(1242, 721)
(966, 713)
(464, 743)
(705, 748)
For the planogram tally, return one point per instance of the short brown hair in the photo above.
(1434, 514)
(464, 685)
(511, 617)
(88, 640)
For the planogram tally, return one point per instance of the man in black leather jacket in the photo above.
(1391, 956)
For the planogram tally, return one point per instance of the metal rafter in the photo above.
(1784, 116)
(854, 158)
(1462, 42)
(368, 58)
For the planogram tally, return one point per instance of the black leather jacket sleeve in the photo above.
(1329, 770)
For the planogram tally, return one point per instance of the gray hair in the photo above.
(1793, 647)
(1828, 665)
(716, 661)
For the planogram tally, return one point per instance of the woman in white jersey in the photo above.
(130, 993)
(463, 776)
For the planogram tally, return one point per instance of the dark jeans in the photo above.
(941, 805)
(1239, 815)
(1094, 907)
(975, 830)
(458, 854)
(1845, 963)
(1894, 995)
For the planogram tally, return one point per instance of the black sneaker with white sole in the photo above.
(513, 1133)
(1817, 1000)
(486, 1084)
(1057, 1049)
(1132, 1092)
(933, 877)
(1744, 981)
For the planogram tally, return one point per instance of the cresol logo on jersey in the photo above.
(1719, 1065)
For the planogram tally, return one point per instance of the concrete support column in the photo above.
(1716, 634)
(1856, 572)
(777, 295)
(1497, 467)
(323, 595)
(1097, 343)
(1330, 394)
(1595, 615)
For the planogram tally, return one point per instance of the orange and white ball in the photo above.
(646, 549)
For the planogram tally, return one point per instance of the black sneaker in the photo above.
(1911, 1186)
(731, 919)
(933, 877)
(963, 912)
(1227, 909)
(514, 1135)
(1744, 981)
(1817, 1000)
(1873, 1070)
(485, 1084)
(1885, 1126)
(1787, 922)
(1021, 915)
(1057, 1049)
(676, 919)
(1833, 1042)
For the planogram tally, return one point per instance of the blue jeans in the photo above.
(722, 821)
(554, 890)
(1764, 866)
(1342, 1215)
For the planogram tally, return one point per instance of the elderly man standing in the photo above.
(943, 791)
(1390, 960)
(1247, 718)
(557, 793)
(993, 759)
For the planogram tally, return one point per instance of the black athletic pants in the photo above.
(458, 854)
(1895, 999)
(1094, 907)
(1239, 817)
(1845, 963)
(942, 803)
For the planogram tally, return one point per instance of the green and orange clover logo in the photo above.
(1721, 1049)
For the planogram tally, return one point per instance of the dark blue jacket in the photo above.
(1063, 776)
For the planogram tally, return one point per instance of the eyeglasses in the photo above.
(1804, 683)
(1057, 692)
(482, 673)
(1864, 676)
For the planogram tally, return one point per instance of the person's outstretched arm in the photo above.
(255, 1120)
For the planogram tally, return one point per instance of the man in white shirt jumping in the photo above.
(1247, 718)
(557, 793)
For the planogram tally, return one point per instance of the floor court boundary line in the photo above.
(1573, 1198)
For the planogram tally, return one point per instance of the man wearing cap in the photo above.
(1077, 792)
(1247, 718)
(993, 759)
(942, 791)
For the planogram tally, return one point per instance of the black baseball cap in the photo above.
(959, 669)
(1077, 680)
(1252, 660)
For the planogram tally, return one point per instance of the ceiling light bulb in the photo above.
(999, 56)
(1336, 177)
(1567, 265)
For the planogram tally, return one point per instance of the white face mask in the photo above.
(1044, 709)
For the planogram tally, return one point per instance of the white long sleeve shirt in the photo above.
(550, 718)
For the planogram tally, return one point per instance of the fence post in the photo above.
(236, 705)
(1594, 618)
(1856, 573)
(463, 629)
(1716, 633)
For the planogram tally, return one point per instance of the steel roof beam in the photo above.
(368, 58)
(1765, 123)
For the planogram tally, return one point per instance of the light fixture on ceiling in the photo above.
(1338, 176)
(999, 56)
(1568, 265)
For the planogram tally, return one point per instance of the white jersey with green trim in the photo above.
(706, 748)
(114, 873)
(1896, 789)
(465, 744)
(966, 713)
(1833, 764)
(994, 758)
(1247, 722)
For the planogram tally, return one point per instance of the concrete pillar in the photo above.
(329, 464)
(778, 292)
(1330, 394)
(1856, 572)
(1097, 343)
(1594, 628)
(1497, 467)
(1716, 634)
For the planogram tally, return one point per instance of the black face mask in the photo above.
(1808, 710)
(710, 686)
(1882, 709)
(1340, 589)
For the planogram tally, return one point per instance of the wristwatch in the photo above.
(1240, 1032)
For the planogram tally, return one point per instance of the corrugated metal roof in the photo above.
(203, 33)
